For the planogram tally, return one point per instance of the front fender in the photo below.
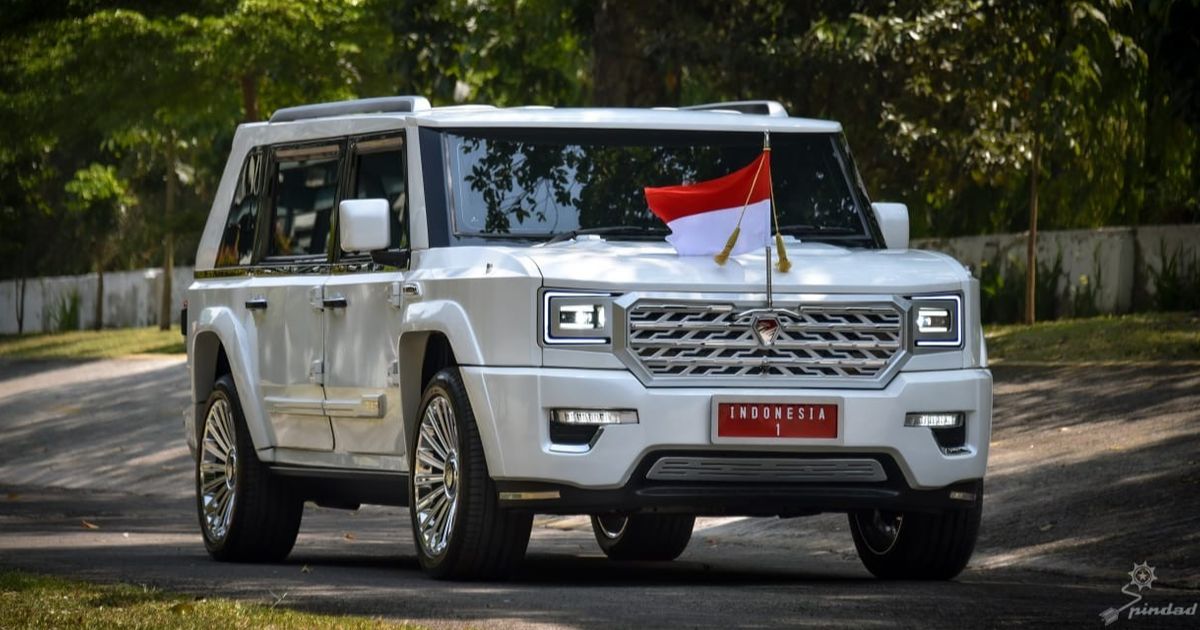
(448, 318)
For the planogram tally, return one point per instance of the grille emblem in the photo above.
(766, 329)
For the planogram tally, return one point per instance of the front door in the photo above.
(362, 337)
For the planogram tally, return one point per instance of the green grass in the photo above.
(1144, 337)
(89, 344)
(34, 601)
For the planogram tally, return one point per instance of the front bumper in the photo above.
(512, 408)
(643, 494)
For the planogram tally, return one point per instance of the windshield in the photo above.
(538, 183)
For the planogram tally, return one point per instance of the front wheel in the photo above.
(658, 537)
(916, 545)
(460, 530)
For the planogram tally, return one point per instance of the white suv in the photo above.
(471, 311)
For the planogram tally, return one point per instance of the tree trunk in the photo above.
(624, 73)
(1031, 252)
(21, 305)
(165, 303)
(250, 97)
(99, 320)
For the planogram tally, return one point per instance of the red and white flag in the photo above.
(703, 215)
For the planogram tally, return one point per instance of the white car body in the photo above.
(329, 364)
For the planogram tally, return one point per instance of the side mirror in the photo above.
(364, 225)
(893, 221)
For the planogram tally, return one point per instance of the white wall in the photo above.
(1121, 260)
(131, 298)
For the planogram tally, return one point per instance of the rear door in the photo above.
(286, 293)
(362, 337)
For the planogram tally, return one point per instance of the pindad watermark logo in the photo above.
(1142, 577)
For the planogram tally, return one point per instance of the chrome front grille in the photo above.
(764, 469)
(855, 344)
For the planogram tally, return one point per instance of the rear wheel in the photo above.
(458, 526)
(643, 536)
(916, 545)
(246, 514)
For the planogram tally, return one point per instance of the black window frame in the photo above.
(348, 190)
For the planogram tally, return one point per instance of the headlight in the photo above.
(576, 318)
(937, 320)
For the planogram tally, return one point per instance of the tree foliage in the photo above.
(942, 100)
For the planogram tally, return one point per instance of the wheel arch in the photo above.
(219, 345)
(424, 353)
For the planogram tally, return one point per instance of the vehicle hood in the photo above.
(816, 268)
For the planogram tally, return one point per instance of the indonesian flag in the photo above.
(703, 215)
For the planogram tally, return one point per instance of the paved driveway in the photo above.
(1092, 470)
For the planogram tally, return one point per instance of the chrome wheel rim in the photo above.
(218, 470)
(880, 530)
(612, 526)
(436, 478)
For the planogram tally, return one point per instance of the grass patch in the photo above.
(1142, 337)
(34, 601)
(91, 344)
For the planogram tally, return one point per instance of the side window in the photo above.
(379, 173)
(305, 182)
(237, 241)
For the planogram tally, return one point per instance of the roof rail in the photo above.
(378, 105)
(764, 108)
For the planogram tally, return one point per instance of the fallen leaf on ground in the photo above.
(89, 525)
(349, 536)
(13, 496)
(1046, 527)
(305, 569)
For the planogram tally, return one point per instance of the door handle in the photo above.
(335, 301)
(257, 303)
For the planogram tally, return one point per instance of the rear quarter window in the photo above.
(237, 239)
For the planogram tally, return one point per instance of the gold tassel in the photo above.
(723, 256)
(784, 264)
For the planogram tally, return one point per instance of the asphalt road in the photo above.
(1092, 470)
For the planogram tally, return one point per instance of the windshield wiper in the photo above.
(823, 230)
(616, 230)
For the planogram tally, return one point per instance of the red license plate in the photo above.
(782, 420)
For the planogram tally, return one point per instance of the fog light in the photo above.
(940, 420)
(595, 417)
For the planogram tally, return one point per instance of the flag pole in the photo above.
(785, 265)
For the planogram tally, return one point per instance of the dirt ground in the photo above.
(1092, 470)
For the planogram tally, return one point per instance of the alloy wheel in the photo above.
(880, 530)
(218, 470)
(612, 526)
(436, 478)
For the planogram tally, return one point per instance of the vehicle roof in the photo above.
(589, 117)
(617, 118)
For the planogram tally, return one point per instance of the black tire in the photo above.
(264, 516)
(483, 540)
(926, 546)
(653, 537)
